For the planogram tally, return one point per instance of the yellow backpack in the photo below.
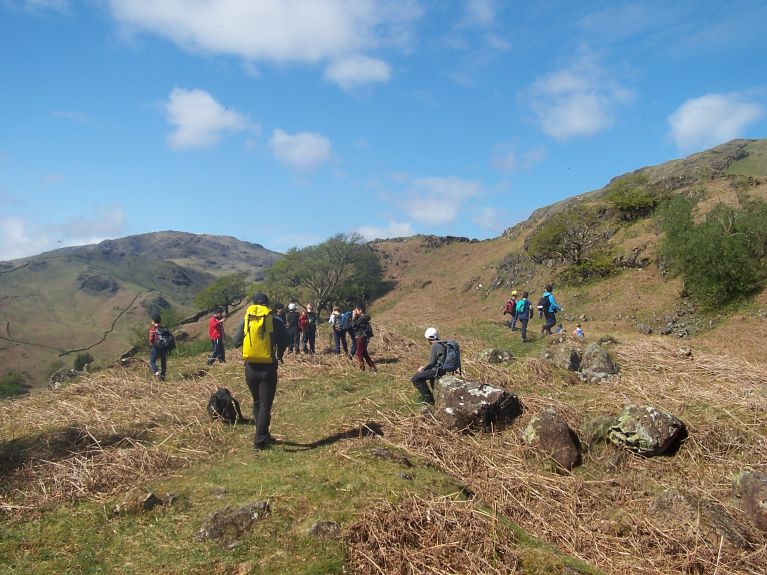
(257, 343)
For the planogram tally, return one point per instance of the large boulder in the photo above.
(548, 433)
(751, 489)
(706, 518)
(646, 430)
(495, 356)
(597, 365)
(564, 355)
(462, 405)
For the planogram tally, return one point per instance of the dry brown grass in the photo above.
(101, 434)
(607, 512)
(441, 536)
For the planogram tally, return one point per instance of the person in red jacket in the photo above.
(216, 334)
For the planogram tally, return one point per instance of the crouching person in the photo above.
(427, 374)
(263, 340)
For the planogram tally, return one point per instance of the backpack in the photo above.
(544, 304)
(510, 308)
(346, 321)
(452, 360)
(258, 327)
(165, 340)
(222, 406)
(523, 309)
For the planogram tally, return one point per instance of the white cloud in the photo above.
(22, 237)
(199, 120)
(580, 100)
(278, 31)
(487, 218)
(77, 117)
(507, 159)
(712, 119)
(438, 201)
(351, 71)
(480, 12)
(393, 230)
(300, 151)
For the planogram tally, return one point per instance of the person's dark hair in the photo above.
(260, 299)
(218, 309)
(525, 294)
(361, 307)
(548, 287)
(278, 306)
(156, 318)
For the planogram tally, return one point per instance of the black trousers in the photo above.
(262, 383)
(551, 320)
(422, 379)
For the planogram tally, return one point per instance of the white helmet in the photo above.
(291, 306)
(431, 333)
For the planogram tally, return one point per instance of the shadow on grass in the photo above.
(61, 443)
(369, 429)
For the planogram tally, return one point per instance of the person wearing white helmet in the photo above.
(426, 374)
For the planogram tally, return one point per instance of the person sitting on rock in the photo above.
(427, 374)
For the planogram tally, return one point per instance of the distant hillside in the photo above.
(457, 281)
(94, 297)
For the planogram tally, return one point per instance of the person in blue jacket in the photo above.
(550, 311)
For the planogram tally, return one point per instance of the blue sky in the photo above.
(283, 122)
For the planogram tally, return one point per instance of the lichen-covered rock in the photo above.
(751, 489)
(645, 430)
(709, 520)
(229, 523)
(137, 502)
(466, 405)
(549, 433)
(495, 356)
(325, 530)
(565, 355)
(597, 360)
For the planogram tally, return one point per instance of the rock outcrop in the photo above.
(463, 405)
(646, 430)
(597, 365)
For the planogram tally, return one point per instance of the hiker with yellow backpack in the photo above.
(263, 340)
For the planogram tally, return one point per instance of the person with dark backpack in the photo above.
(162, 342)
(549, 307)
(362, 331)
(291, 324)
(524, 313)
(341, 325)
(511, 309)
(444, 357)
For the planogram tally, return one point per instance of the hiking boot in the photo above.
(211, 360)
(374, 369)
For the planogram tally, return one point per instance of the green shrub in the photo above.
(599, 265)
(569, 235)
(82, 360)
(720, 259)
(11, 384)
(632, 196)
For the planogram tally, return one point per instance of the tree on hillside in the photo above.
(569, 235)
(720, 258)
(633, 196)
(226, 291)
(341, 268)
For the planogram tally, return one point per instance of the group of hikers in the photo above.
(522, 311)
(265, 333)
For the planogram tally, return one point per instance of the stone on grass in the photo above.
(646, 430)
(325, 530)
(548, 433)
(228, 524)
(564, 355)
(466, 405)
(751, 488)
(495, 356)
(597, 365)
